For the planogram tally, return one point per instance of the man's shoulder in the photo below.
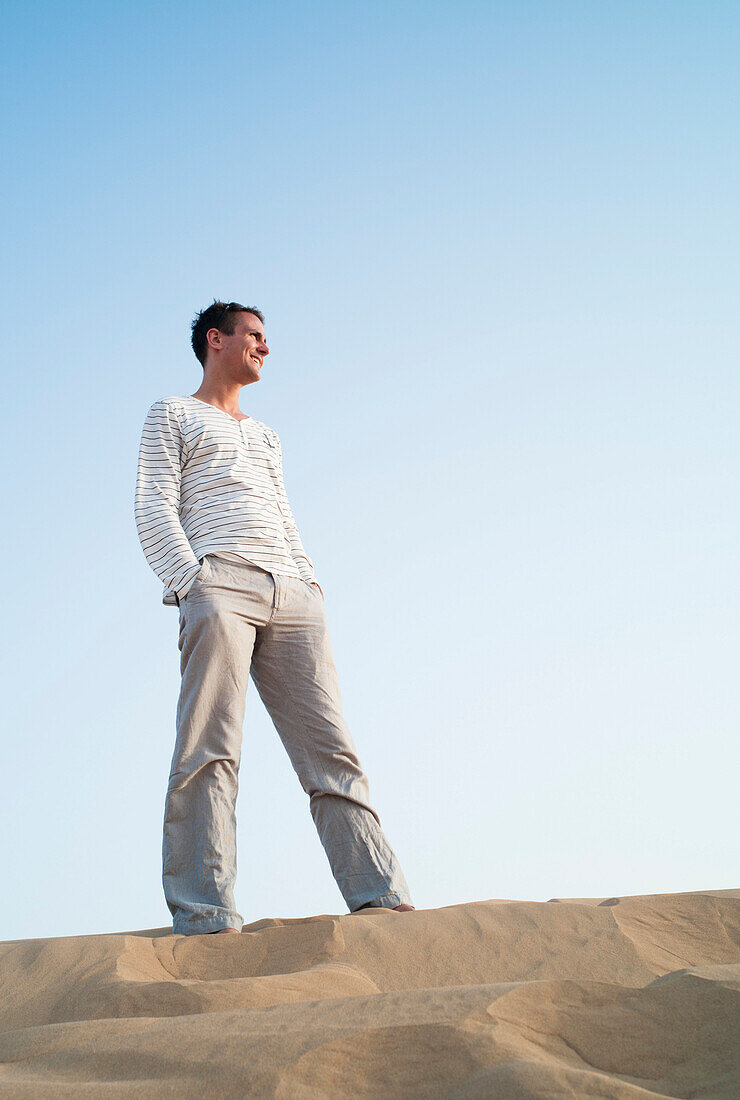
(260, 424)
(171, 401)
(172, 408)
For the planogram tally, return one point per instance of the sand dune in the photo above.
(609, 998)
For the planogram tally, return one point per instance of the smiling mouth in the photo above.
(256, 360)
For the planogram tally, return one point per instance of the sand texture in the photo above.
(629, 997)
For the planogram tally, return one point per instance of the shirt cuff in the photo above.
(184, 588)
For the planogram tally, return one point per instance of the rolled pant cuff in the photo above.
(201, 925)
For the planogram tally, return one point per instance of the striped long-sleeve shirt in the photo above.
(209, 483)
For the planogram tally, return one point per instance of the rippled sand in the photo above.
(617, 997)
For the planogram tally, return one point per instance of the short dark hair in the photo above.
(220, 315)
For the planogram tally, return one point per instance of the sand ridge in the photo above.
(613, 997)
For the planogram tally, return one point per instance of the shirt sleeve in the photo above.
(157, 500)
(299, 555)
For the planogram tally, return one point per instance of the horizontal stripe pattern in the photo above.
(209, 483)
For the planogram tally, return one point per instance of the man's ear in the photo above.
(213, 338)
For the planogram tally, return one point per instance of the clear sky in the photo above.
(496, 245)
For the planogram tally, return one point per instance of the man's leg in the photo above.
(293, 669)
(199, 841)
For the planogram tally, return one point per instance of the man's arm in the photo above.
(299, 555)
(157, 501)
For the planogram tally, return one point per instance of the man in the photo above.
(216, 527)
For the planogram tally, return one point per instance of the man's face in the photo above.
(243, 353)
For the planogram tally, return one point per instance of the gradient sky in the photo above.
(496, 245)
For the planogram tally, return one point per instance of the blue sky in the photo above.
(496, 246)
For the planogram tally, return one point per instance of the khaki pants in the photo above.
(237, 619)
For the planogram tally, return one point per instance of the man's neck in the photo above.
(223, 396)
